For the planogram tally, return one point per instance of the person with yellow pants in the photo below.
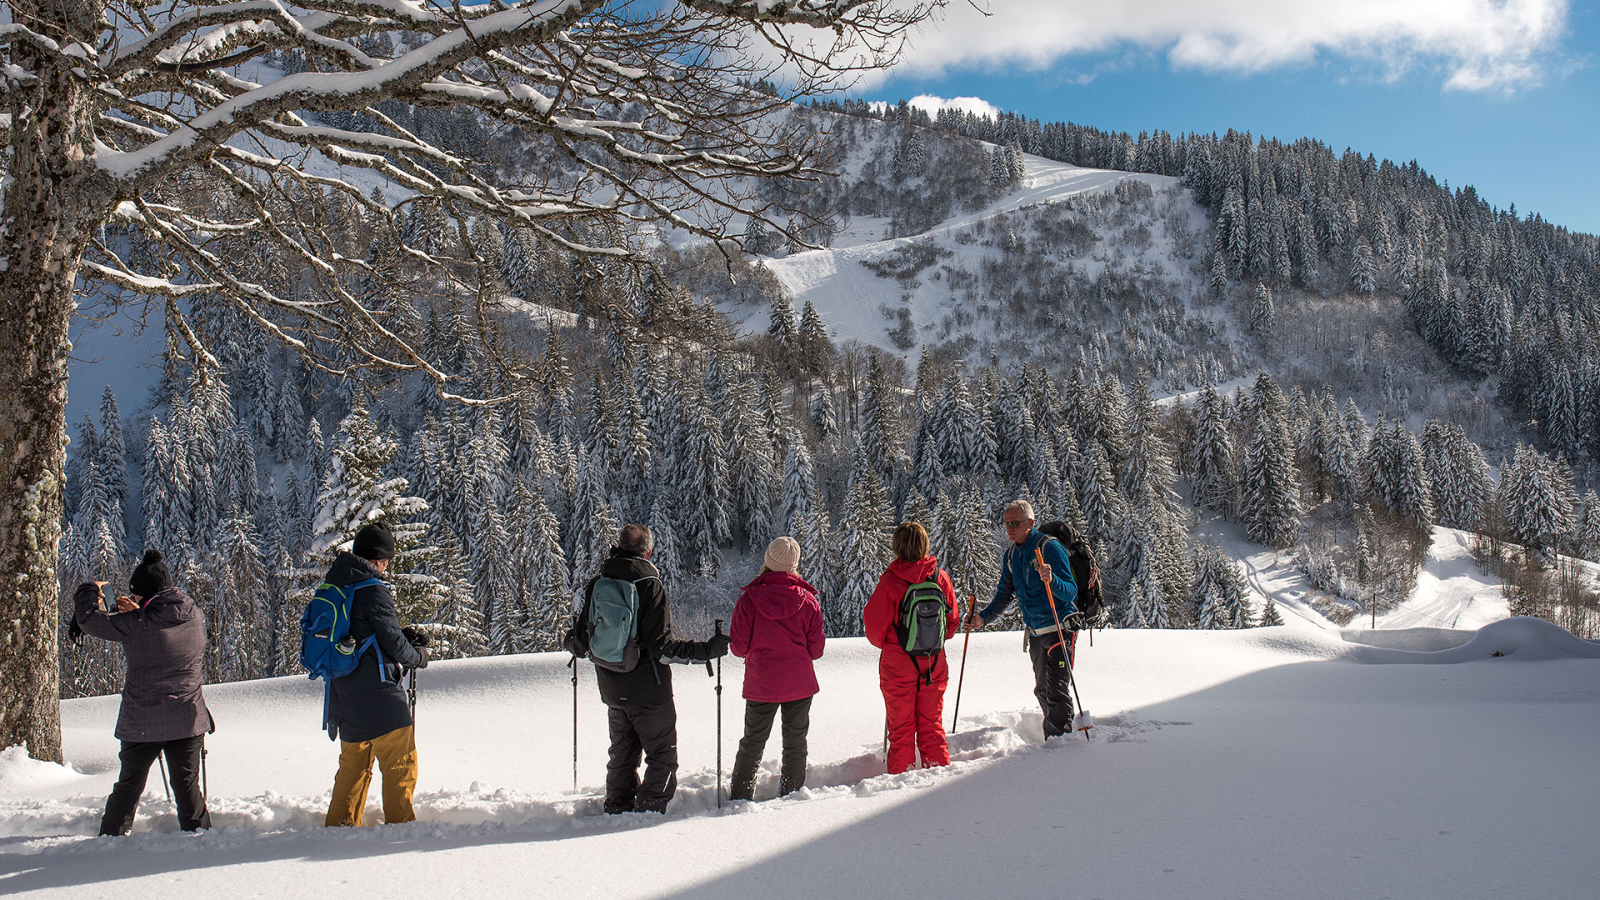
(367, 709)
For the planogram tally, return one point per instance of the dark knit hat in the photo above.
(374, 542)
(151, 577)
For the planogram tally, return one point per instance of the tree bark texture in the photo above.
(45, 222)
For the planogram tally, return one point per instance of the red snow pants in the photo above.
(913, 699)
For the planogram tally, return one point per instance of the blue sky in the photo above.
(1505, 98)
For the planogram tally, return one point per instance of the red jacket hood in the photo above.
(914, 571)
(779, 595)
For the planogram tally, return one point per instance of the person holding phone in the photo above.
(163, 636)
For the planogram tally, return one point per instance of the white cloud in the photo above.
(976, 105)
(1477, 44)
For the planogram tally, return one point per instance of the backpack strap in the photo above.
(372, 639)
(1064, 549)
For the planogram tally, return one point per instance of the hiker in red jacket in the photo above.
(913, 686)
(777, 629)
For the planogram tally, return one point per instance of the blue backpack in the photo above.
(327, 650)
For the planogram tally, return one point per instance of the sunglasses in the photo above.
(1010, 524)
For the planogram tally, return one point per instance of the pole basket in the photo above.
(1083, 721)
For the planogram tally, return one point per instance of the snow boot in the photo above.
(742, 784)
(790, 782)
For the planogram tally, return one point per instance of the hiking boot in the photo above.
(791, 782)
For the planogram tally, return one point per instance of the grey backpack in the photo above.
(614, 624)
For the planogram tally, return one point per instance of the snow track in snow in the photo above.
(52, 825)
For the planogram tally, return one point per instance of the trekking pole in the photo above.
(574, 664)
(719, 719)
(164, 788)
(972, 604)
(411, 696)
(1082, 721)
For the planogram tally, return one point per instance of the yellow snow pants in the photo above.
(396, 753)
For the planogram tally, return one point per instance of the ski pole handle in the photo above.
(716, 630)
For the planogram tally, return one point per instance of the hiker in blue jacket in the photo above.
(367, 709)
(1023, 578)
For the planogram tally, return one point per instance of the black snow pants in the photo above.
(1050, 680)
(757, 726)
(183, 759)
(653, 731)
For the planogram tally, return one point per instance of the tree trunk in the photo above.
(46, 218)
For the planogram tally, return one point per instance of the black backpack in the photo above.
(1085, 571)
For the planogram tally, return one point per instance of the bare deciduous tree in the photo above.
(158, 118)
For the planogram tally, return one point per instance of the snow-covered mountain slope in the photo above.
(853, 299)
(1253, 764)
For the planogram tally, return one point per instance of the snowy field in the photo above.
(1268, 763)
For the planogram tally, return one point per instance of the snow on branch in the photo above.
(305, 163)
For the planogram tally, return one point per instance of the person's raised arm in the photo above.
(92, 619)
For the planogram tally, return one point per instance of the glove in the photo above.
(416, 636)
(717, 646)
(422, 655)
(573, 642)
(73, 631)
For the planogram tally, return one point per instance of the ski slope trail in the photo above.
(1252, 764)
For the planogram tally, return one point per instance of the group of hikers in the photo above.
(625, 627)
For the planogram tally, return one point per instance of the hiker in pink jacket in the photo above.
(777, 629)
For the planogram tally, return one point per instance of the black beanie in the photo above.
(151, 577)
(375, 542)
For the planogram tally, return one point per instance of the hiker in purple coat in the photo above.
(163, 635)
(777, 629)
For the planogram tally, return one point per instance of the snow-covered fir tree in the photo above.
(356, 491)
(1261, 309)
(1537, 501)
(753, 474)
(864, 532)
(1269, 501)
(1213, 462)
(547, 587)
(1269, 613)
(112, 458)
(799, 483)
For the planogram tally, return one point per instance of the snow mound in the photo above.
(1293, 642)
(20, 772)
(1522, 638)
(1422, 640)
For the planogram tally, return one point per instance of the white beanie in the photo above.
(783, 555)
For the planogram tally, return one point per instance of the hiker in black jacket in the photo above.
(639, 702)
(163, 636)
(367, 708)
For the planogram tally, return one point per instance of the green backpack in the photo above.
(920, 627)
